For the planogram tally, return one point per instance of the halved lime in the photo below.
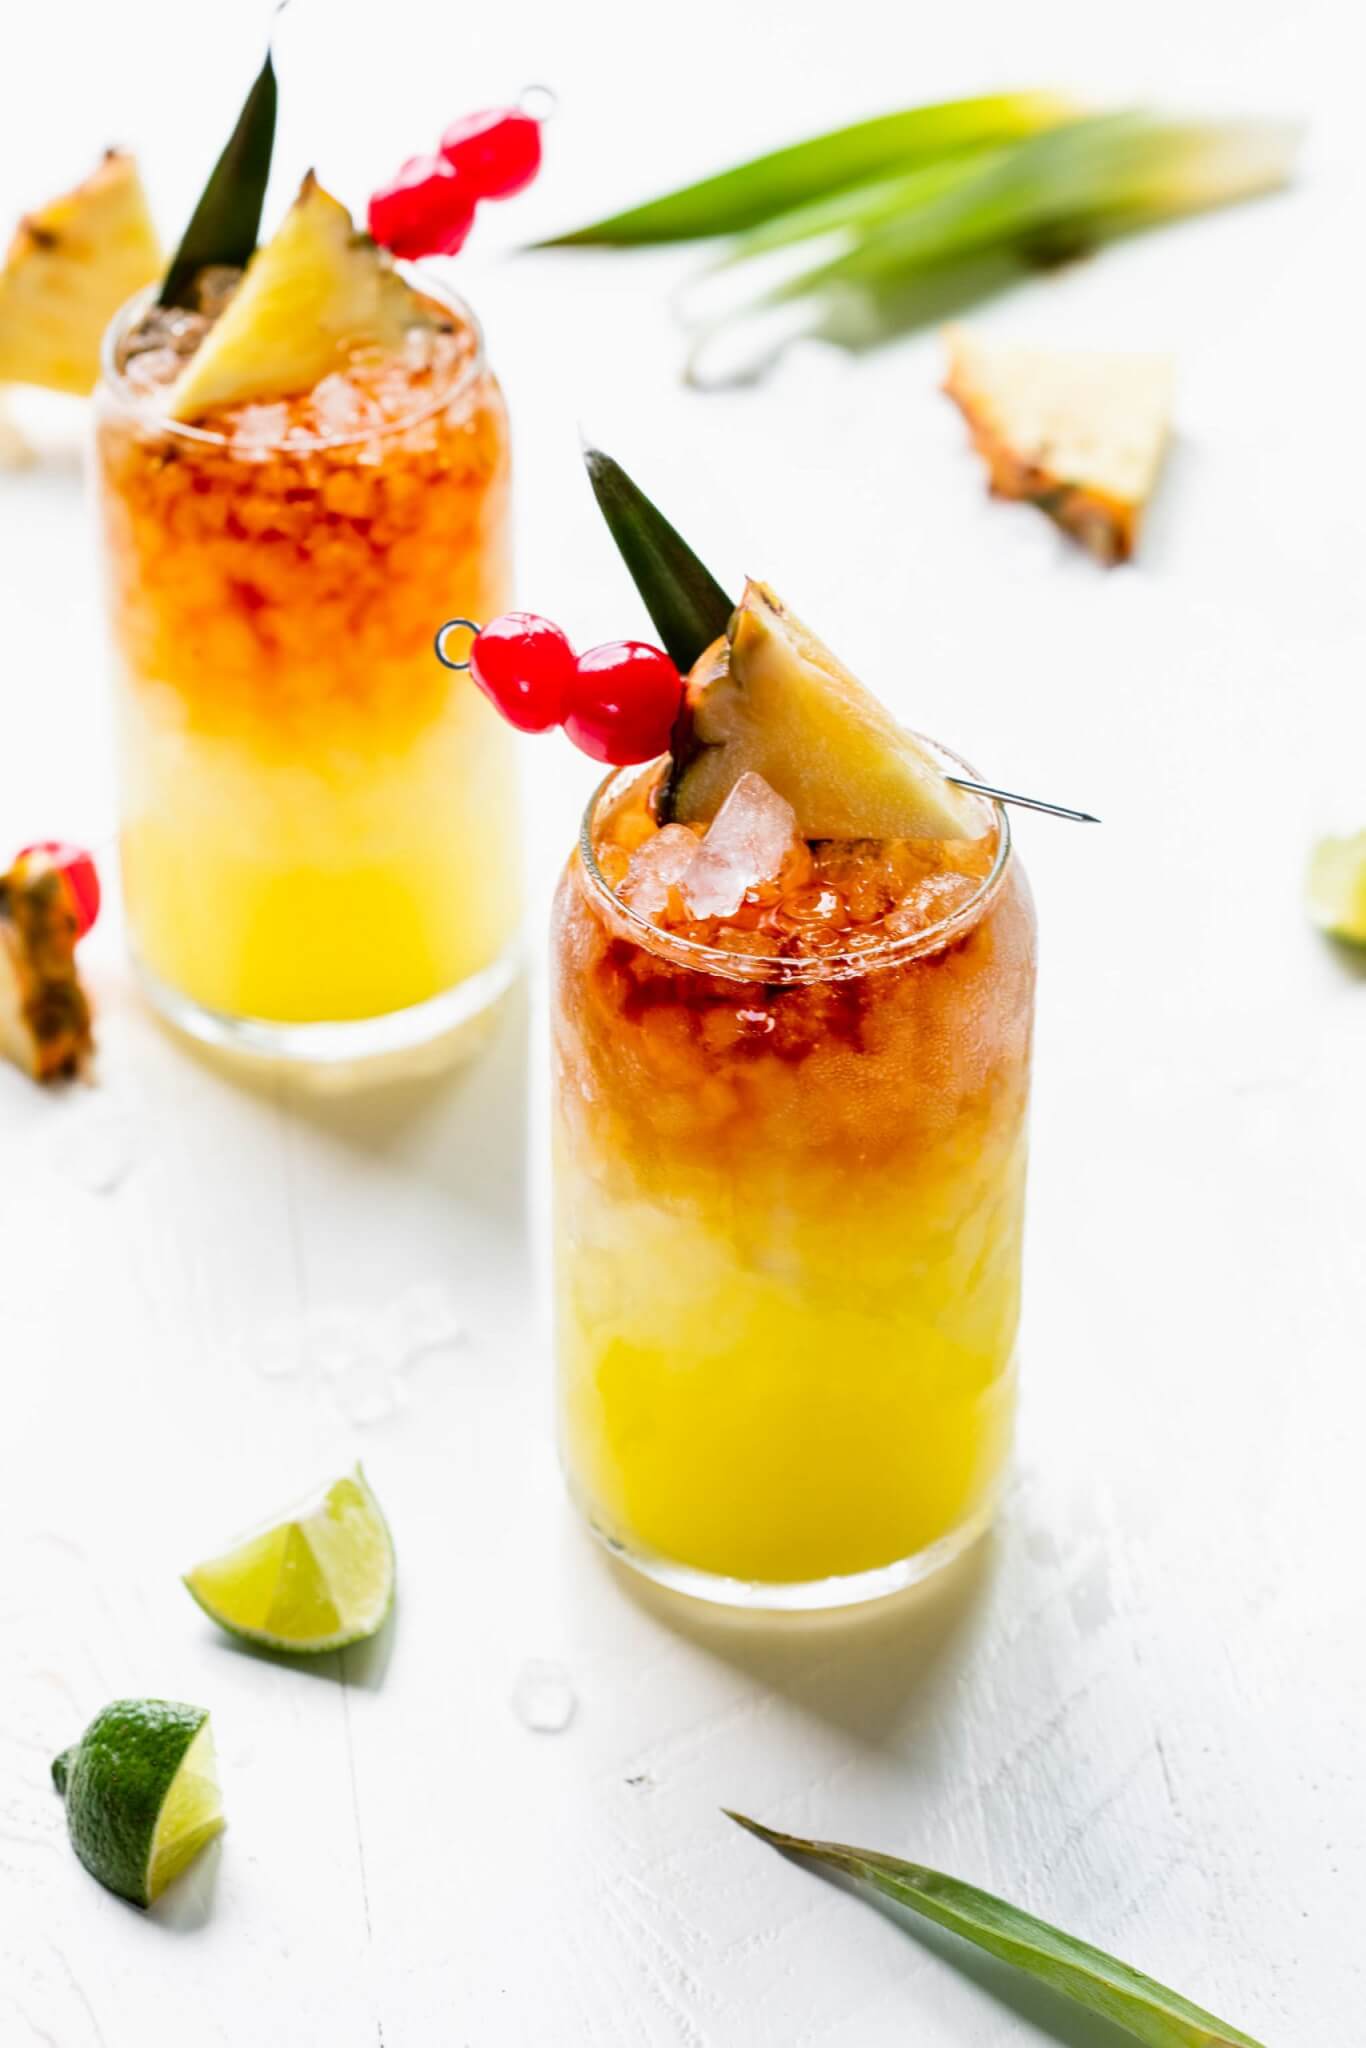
(320, 1579)
(1336, 887)
(141, 1792)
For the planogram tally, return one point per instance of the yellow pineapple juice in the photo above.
(790, 1163)
(319, 822)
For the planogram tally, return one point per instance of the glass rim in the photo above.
(114, 380)
(784, 968)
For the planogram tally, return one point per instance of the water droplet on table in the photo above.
(543, 1698)
(97, 1148)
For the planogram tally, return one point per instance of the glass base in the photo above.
(805, 1596)
(426, 1035)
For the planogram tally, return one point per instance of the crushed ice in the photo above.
(420, 1320)
(279, 1352)
(751, 846)
(752, 851)
(657, 868)
(543, 1698)
(358, 1357)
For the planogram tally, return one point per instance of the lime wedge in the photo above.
(141, 1794)
(1336, 888)
(316, 1581)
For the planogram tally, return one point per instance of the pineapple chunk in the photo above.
(317, 290)
(15, 451)
(44, 1015)
(1080, 434)
(69, 268)
(768, 697)
(1337, 887)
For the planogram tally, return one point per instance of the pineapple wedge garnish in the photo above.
(44, 1015)
(1079, 433)
(770, 698)
(316, 291)
(70, 266)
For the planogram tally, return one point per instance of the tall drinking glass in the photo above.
(319, 822)
(790, 1197)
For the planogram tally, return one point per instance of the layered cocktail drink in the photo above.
(792, 1044)
(319, 822)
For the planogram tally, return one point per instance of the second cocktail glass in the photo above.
(319, 823)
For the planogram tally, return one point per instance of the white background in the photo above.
(1139, 1709)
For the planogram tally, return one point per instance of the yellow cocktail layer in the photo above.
(337, 882)
(776, 1387)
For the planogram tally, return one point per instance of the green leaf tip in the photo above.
(225, 224)
(687, 604)
(1143, 2008)
(743, 197)
(61, 1768)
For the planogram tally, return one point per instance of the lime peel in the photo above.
(316, 1581)
(141, 1793)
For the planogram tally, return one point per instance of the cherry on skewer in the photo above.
(617, 702)
(427, 208)
(496, 151)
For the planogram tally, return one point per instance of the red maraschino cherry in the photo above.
(427, 210)
(497, 151)
(77, 869)
(524, 665)
(623, 701)
(618, 702)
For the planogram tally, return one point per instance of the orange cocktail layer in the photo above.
(319, 820)
(789, 1215)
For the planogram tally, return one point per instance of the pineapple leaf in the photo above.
(756, 191)
(897, 222)
(687, 604)
(855, 208)
(224, 226)
(1149, 2011)
(1057, 196)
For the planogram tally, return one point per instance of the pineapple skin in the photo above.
(44, 1012)
(68, 269)
(1106, 527)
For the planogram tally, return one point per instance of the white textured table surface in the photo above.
(1139, 1709)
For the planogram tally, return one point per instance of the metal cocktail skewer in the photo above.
(1000, 796)
(1030, 803)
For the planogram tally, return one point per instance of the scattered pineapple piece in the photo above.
(1336, 888)
(15, 451)
(315, 291)
(69, 268)
(770, 698)
(44, 1015)
(1079, 433)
